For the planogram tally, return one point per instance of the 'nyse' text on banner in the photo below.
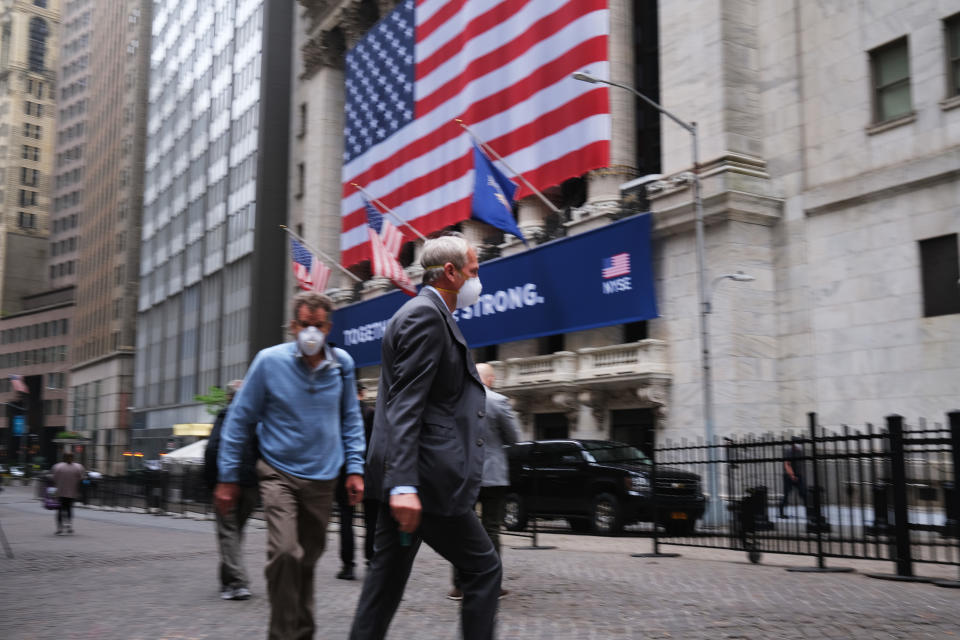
(564, 285)
(501, 66)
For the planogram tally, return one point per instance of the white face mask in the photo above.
(310, 340)
(469, 293)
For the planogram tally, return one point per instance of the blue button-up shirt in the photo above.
(308, 420)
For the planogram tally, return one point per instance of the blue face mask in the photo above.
(310, 340)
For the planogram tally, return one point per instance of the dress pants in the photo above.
(371, 508)
(230, 539)
(297, 512)
(462, 541)
(345, 511)
(491, 516)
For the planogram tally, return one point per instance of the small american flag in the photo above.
(311, 274)
(18, 385)
(384, 263)
(392, 239)
(501, 66)
(616, 266)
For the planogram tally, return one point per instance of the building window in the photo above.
(301, 178)
(940, 273)
(26, 220)
(40, 3)
(952, 29)
(38, 43)
(302, 130)
(28, 198)
(891, 81)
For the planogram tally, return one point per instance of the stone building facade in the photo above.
(824, 179)
(29, 49)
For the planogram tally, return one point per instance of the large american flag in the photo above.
(311, 274)
(503, 67)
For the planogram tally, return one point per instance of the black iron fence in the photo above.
(873, 493)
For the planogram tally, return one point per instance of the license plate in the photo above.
(678, 515)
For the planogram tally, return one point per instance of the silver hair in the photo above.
(437, 252)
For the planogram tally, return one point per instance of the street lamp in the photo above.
(712, 516)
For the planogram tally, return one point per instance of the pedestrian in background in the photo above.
(234, 583)
(67, 476)
(426, 450)
(500, 429)
(793, 474)
(302, 396)
(371, 505)
(346, 510)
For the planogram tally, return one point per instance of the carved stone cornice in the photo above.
(315, 11)
(326, 49)
(356, 18)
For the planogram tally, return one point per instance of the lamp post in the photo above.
(712, 515)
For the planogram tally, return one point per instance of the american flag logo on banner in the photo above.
(501, 66)
(616, 266)
(311, 274)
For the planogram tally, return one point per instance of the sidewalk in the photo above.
(129, 576)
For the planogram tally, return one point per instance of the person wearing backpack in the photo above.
(234, 584)
(302, 396)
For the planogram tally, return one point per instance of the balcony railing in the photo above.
(592, 364)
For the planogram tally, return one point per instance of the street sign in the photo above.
(19, 425)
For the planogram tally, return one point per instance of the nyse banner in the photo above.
(594, 279)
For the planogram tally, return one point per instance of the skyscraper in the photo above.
(115, 91)
(28, 63)
(212, 258)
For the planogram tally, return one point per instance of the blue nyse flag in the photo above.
(493, 195)
(593, 279)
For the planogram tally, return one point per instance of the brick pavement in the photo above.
(130, 576)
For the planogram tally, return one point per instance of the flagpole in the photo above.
(389, 210)
(496, 155)
(321, 253)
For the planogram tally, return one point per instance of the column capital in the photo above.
(326, 49)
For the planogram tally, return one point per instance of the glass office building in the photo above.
(216, 149)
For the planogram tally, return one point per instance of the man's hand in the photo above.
(405, 508)
(225, 496)
(354, 486)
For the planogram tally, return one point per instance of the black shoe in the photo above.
(346, 574)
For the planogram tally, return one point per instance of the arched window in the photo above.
(38, 43)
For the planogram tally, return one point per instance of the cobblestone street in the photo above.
(136, 576)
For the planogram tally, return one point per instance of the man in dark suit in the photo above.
(425, 458)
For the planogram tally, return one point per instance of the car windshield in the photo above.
(616, 454)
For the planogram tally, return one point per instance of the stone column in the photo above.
(530, 214)
(603, 185)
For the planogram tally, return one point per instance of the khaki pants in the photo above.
(297, 512)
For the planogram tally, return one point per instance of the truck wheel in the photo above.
(514, 514)
(606, 518)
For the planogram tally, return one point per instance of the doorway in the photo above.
(551, 426)
(636, 427)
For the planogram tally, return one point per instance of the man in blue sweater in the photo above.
(302, 396)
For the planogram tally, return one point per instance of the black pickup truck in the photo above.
(598, 486)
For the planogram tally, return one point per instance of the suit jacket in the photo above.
(501, 430)
(428, 424)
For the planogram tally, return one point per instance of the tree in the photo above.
(215, 399)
